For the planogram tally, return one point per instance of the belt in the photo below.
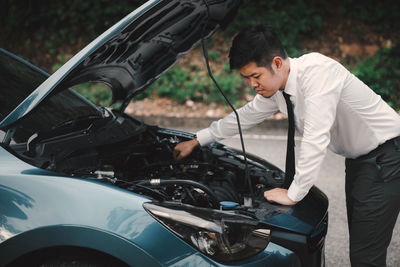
(390, 145)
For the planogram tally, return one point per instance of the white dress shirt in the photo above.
(333, 109)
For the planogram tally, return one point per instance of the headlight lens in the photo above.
(221, 235)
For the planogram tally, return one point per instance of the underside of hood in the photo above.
(134, 58)
(133, 53)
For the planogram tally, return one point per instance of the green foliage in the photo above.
(230, 84)
(291, 19)
(382, 74)
(181, 84)
(60, 22)
(171, 82)
(62, 60)
(97, 93)
(54, 23)
(382, 16)
(214, 55)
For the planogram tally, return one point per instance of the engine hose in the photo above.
(214, 199)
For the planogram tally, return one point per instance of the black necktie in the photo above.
(290, 165)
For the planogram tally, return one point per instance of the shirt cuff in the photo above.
(296, 193)
(204, 137)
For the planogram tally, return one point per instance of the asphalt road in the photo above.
(271, 145)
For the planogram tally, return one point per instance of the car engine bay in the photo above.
(130, 154)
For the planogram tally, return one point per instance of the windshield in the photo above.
(17, 80)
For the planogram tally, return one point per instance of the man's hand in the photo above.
(184, 149)
(278, 195)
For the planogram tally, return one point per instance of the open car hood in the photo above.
(134, 52)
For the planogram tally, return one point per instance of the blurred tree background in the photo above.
(363, 35)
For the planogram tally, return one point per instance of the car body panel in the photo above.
(304, 216)
(300, 218)
(74, 236)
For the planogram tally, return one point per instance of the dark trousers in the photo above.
(373, 203)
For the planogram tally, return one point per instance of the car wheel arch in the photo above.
(65, 256)
(74, 237)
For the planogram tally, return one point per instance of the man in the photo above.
(332, 109)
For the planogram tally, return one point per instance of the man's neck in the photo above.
(286, 71)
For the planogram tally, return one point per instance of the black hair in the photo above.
(257, 43)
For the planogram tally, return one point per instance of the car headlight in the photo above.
(221, 235)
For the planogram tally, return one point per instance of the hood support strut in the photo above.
(248, 201)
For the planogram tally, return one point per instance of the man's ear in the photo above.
(277, 63)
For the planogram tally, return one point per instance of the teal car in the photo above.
(84, 185)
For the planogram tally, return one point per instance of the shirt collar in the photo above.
(290, 87)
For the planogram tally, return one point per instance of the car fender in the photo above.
(75, 236)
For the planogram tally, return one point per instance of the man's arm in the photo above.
(251, 114)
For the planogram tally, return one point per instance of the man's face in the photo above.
(264, 81)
